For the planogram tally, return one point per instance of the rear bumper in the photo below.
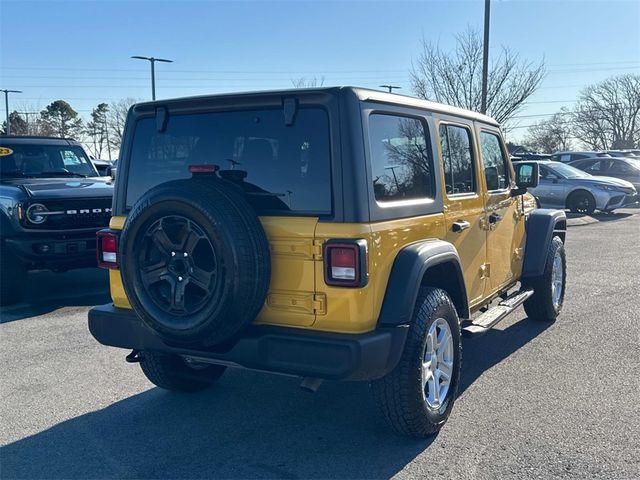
(275, 349)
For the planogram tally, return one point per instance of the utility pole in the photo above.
(153, 61)
(485, 56)
(390, 87)
(26, 116)
(6, 107)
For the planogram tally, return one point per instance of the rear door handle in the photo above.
(459, 226)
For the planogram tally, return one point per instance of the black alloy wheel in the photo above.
(178, 266)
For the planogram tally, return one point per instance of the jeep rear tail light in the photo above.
(107, 248)
(345, 263)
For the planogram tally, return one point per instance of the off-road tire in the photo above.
(576, 205)
(13, 276)
(241, 248)
(399, 395)
(172, 372)
(540, 305)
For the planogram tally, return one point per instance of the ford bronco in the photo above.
(52, 203)
(333, 233)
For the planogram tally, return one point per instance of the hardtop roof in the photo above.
(363, 94)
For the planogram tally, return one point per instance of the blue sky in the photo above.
(79, 50)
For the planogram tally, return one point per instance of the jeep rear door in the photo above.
(464, 202)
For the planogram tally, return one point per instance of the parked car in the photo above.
(566, 157)
(624, 153)
(320, 233)
(103, 167)
(624, 168)
(52, 203)
(563, 186)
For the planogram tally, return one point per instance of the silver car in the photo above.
(563, 186)
(624, 168)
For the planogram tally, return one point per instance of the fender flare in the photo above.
(406, 278)
(541, 226)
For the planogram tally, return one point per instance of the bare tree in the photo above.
(116, 117)
(455, 78)
(552, 134)
(304, 82)
(607, 114)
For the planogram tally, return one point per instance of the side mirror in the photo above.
(527, 174)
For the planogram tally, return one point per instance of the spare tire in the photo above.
(195, 261)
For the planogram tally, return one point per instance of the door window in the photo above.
(457, 159)
(495, 163)
(622, 168)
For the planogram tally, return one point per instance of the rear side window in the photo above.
(457, 159)
(282, 169)
(401, 162)
(495, 164)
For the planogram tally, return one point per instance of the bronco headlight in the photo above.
(37, 213)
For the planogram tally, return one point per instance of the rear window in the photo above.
(282, 169)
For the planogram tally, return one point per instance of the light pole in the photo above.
(26, 116)
(485, 56)
(390, 87)
(153, 61)
(6, 106)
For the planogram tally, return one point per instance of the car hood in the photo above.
(617, 182)
(63, 188)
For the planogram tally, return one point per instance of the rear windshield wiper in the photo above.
(66, 174)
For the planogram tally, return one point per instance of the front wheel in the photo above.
(582, 202)
(416, 398)
(173, 372)
(548, 290)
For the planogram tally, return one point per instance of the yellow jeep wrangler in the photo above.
(331, 233)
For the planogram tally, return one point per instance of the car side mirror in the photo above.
(527, 175)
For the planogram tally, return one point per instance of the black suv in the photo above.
(52, 202)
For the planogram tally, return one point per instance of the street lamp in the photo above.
(6, 106)
(390, 87)
(153, 61)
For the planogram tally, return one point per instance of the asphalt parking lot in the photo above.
(537, 400)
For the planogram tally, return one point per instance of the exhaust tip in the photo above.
(311, 384)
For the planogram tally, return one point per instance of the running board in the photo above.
(495, 314)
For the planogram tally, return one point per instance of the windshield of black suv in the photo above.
(37, 160)
(281, 168)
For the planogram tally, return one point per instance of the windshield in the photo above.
(566, 171)
(24, 160)
(280, 167)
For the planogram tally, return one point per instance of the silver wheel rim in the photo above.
(556, 280)
(437, 364)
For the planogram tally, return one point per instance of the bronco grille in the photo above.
(81, 213)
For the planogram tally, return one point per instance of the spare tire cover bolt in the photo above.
(179, 279)
(173, 254)
(185, 254)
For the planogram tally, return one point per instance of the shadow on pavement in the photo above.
(48, 291)
(250, 425)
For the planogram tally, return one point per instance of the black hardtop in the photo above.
(271, 97)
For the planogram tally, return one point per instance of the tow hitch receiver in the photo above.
(134, 357)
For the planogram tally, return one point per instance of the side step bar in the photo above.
(495, 314)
